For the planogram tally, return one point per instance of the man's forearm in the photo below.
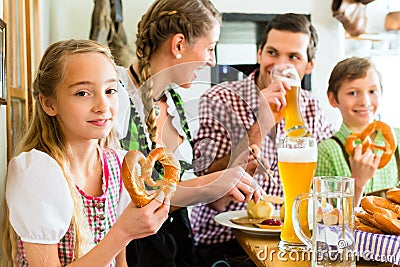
(218, 164)
(255, 136)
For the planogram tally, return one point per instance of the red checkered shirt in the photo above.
(101, 211)
(226, 112)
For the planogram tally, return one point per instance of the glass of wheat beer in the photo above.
(294, 122)
(297, 161)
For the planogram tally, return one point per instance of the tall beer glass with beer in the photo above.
(294, 122)
(297, 161)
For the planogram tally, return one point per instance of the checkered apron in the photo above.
(100, 212)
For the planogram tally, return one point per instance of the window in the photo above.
(22, 57)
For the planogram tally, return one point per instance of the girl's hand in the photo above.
(141, 222)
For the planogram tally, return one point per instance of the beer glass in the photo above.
(297, 161)
(294, 122)
(332, 241)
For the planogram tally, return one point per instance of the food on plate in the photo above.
(282, 213)
(379, 213)
(364, 138)
(261, 210)
(245, 221)
(273, 199)
(137, 171)
(264, 208)
(271, 223)
(261, 215)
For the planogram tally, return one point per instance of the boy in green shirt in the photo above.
(355, 89)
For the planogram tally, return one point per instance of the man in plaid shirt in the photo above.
(231, 111)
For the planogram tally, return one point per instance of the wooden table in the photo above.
(264, 252)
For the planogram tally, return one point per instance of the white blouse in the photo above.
(38, 198)
(129, 91)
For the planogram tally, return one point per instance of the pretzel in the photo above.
(393, 194)
(379, 213)
(362, 225)
(367, 219)
(365, 139)
(388, 225)
(373, 204)
(135, 179)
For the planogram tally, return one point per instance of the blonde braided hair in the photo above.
(164, 18)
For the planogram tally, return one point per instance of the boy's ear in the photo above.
(48, 105)
(332, 100)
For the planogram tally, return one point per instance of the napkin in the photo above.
(378, 247)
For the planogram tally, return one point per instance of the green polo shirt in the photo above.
(331, 162)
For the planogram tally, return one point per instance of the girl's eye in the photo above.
(111, 91)
(81, 93)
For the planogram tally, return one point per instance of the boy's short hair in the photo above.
(350, 69)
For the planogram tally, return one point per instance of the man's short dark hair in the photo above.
(295, 23)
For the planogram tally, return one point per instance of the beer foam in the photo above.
(290, 81)
(307, 154)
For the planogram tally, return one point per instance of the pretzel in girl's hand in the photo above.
(365, 139)
(137, 170)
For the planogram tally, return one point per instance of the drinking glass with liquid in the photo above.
(297, 161)
(332, 242)
(294, 122)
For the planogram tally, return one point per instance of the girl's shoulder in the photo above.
(119, 153)
(38, 197)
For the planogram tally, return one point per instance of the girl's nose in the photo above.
(101, 104)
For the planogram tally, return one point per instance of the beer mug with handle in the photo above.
(332, 242)
(294, 122)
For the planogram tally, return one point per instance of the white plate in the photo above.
(225, 217)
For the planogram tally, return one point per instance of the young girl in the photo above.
(174, 39)
(355, 89)
(65, 204)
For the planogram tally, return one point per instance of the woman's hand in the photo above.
(245, 188)
(249, 162)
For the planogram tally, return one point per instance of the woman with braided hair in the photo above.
(174, 39)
